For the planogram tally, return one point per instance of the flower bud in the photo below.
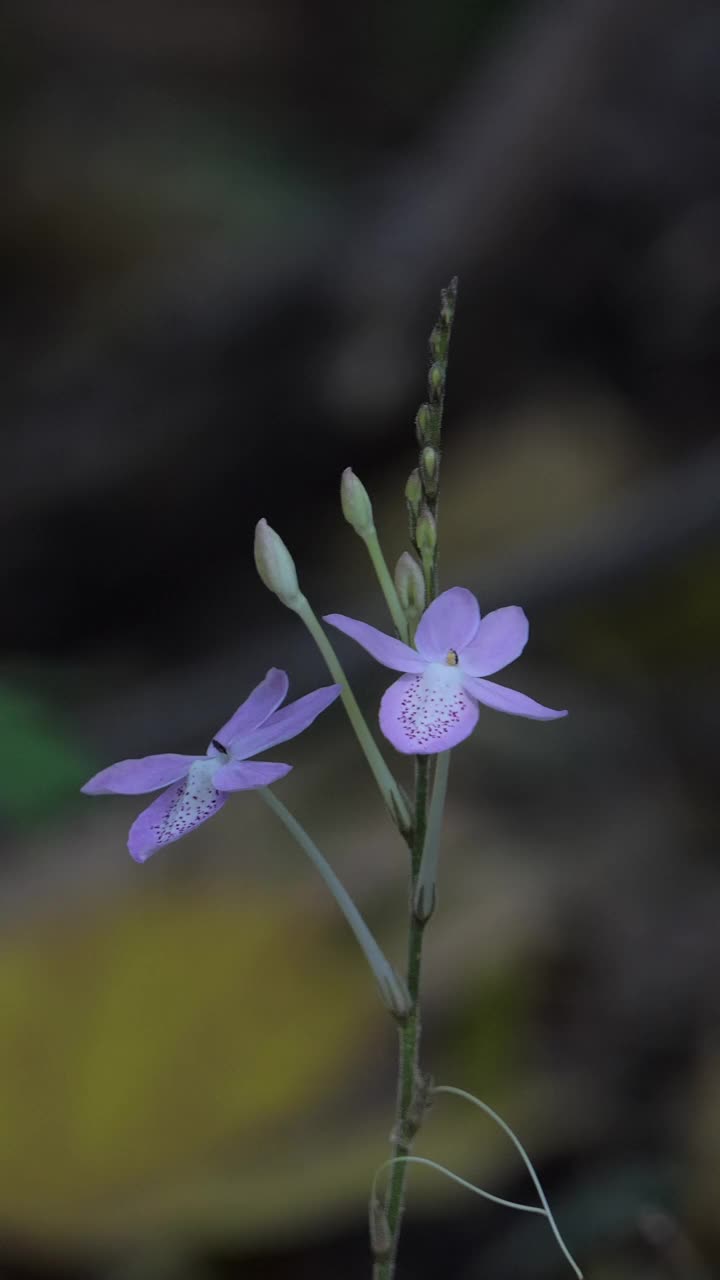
(410, 584)
(426, 535)
(430, 459)
(424, 423)
(436, 380)
(414, 492)
(356, 504)
(439, 342)
(276, 566)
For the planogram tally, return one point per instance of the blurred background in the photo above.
(223, 236)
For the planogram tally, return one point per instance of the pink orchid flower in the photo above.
(434, 704)
(197, 787)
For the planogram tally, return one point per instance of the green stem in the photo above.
(391, 985)
(425, 889)
(408, 1116)
(387, 585)
(391, 793)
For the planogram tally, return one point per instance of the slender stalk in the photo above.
(391, 985)
(408, 1115)
(391, 792)
(502, 1124)
(462, 1182)
(387, 585)
(425, 888)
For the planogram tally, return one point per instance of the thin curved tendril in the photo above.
(546, 1210)
(454, 1177)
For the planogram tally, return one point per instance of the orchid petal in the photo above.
(243, 775)
(136, 777)
(450, 622)
(176, 812)
(500, 639)
(508, 700)
(284, 724)
(386, 649)
(421, 715)
(256, 708)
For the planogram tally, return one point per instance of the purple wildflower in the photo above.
(434, 704)
(198, 786)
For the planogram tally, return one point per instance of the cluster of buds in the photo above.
(421, 490)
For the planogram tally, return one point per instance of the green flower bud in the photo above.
(426, 535)
(276, 566)
(430, 460)
(436, 380)
(439, 343)
(356, 505)
(424, 423)
(414, 491)
(410, 585)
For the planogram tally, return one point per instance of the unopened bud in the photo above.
(414, 491)
(430, 459)
(439, 342)
(426, 536)
(410, 584)
(356, 504)
(276, 566)
(436, 380)
(424, 423)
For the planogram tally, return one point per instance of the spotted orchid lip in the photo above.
(434, 704)
(197, 787)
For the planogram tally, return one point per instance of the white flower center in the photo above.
(432, 704)
(193, 800)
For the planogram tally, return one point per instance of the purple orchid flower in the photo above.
(434, 704)
(198, 786)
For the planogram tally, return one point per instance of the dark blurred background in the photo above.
(223, 235)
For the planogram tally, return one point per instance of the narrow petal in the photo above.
(135, 777)
(255, 710)
(501, 638)
(450, 622)
(177, 812)
(243, 775)
(508, 700)
(420, 715)
(386, 649)
(285, 724)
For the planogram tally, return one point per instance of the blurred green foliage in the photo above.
(41, 767)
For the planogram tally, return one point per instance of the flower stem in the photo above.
(409, 1104)
(387, 585)
(392, 988)
(391, 792)
(425, 888)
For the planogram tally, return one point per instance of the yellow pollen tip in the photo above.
(452, 658)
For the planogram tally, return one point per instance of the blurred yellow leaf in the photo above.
(155, 1038)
